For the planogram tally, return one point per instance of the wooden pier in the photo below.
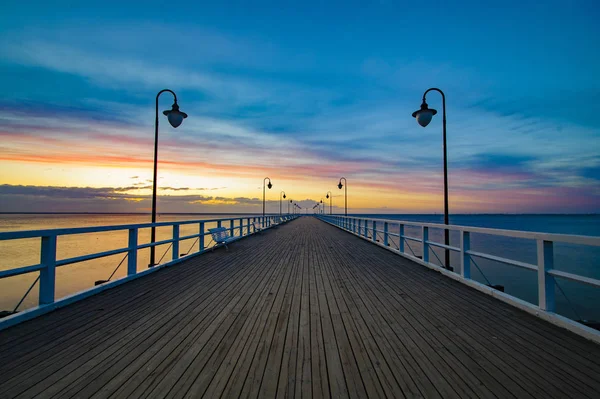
(301, 310)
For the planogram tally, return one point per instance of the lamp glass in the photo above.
(340, 185)
(424, 116)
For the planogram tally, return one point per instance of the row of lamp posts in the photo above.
(423, 117)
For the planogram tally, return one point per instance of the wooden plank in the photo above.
(97, 339)
(321, 385)
(384, 275)
(272, 334)
(235, 358)
(459, 315)
(286, 385)
(304, 385)
(377, 378)
(178, 349)
(248, 368)
(134, 339)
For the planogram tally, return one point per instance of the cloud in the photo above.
(20, 198)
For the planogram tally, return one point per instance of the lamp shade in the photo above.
(175, 116)
(269, 185)
(340, 185)
(424, 115)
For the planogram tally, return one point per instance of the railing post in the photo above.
(366, 229)
(219, 223)
(545, 263)
(48, 273)
(385, 234)
(374, 236)
(241, 227)
(231, 227)
(354, 225)
(401, 239)
(465, 259)
(175, 247)
(132, 252)
(201, 238)
(425, 245)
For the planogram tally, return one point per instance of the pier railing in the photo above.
(238, 227)
(382, 232)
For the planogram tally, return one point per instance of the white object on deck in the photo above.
(220, 236)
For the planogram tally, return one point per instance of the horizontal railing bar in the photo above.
(573, 277)
(523, 265)
(84, 258)
(412, 238)
(153, 244)
(191, 236)
(437, 244)
(20, 270)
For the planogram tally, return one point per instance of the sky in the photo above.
(303, 93)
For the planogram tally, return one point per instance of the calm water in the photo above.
(583, 301)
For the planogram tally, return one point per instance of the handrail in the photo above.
(49, 262)
(14, 235)
(564, 238)
(361, 227)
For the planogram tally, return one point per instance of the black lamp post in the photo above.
(269, 185)
(289, 206)
(283, 192)
(330, 196)
(175, 118)
(322, 208)
(340, 185)
(424, 116)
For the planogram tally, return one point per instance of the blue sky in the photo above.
(314, 90)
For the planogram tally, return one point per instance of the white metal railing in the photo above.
(238, 227)
(371, 229)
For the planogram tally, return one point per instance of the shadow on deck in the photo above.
(301, 310)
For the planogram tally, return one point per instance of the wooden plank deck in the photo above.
(303, 310)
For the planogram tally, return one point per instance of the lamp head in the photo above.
(284, 196)
(327, 196)
(175, 116)
(424, 115)
(269, 185)
(340, 185)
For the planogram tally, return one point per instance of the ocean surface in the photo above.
(576, 301)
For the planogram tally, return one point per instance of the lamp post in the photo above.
(269, 185)
(289, 206)
(283, 192)
(330, 196)
(175, 118)
(423, 117)
(340, 185)
(322, 208)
